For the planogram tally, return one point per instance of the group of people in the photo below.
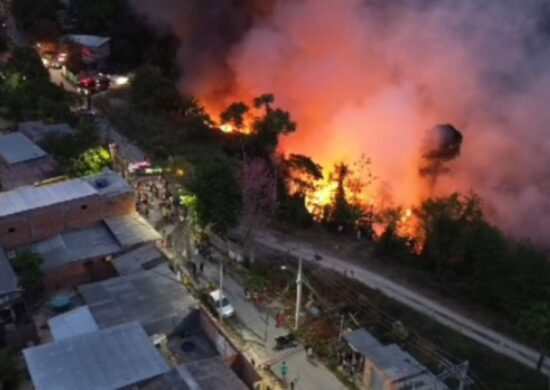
(156, 193)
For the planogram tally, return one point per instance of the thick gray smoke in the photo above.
(369, 76)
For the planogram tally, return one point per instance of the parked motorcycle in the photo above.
(283, 342)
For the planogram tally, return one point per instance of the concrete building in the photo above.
(33, 213)
(84, 256)
(154, 298)
(386, 367)
(121, 357)
(22, 162)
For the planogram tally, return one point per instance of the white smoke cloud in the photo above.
(370, 77)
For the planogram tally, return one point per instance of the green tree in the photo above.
(28, 264)
(90, 162)
(150, 89)
(26, 90)
(218, 195)
(447, 224)
(10, 374)
(535, 323)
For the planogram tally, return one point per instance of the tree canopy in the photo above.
(152, 90)
(28, 263)
(27, 92)
(218, 195)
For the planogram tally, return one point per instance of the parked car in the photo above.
(224, 308)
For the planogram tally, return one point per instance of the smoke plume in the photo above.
(371, 76)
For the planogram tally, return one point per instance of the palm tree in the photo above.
(265, 100)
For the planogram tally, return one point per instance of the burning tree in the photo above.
(233, 118)
(296, 177)
(343, 200)
(262, 127)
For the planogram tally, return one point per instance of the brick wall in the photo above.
(37, 225)
(117, 205)
(14, 232)
(83, 213)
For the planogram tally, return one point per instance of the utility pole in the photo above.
(341, 328)
(220, 308)
(299, 279)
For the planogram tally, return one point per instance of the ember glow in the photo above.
(372, 77)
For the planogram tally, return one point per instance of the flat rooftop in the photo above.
(155, 298)
(16, 148)
(132, 229)
(108, 183)
(72, 323)
(28, 198)
(137, 260)
(77, 245)
(106, 359)
(34, 197)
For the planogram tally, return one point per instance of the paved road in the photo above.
(488, 337)
(57, 78)
(251, 323)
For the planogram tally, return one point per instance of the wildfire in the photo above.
(227, 128)
(409, 227)
(321, 196)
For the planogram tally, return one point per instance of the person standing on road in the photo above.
(201, 267)
(284, 371)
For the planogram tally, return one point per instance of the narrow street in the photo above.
(469, 328)
(253, 323)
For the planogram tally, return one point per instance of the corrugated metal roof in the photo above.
(132, 229)
(361, 341)
(155, 298)
(107, 359)
(17, 148)
(93, 41)
(136, 260)
(390, 359)
(73, 323)
(32, 197)
(78, 245)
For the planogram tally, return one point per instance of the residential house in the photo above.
(386, 367)
(120, 357)
(22, 162)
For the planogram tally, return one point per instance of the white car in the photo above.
(225, 308)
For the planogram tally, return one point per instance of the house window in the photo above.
(11, 230)
(84, 207)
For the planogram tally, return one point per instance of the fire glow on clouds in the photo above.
(371, 76)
